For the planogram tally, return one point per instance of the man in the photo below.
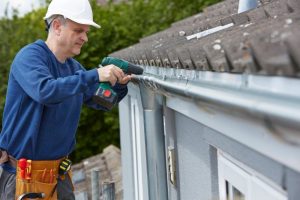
(46, 90)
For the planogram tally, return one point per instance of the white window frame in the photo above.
(139, 153)
(250, 183)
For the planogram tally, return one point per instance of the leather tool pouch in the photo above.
(43, 179)
(37, 184)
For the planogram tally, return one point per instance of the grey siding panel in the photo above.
(251, 158)
(171, 141)
(214, 169)
(194, 161)
(197, 138)
(293, 184)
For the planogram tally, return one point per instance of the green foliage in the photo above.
(122, 24)
(15, 34)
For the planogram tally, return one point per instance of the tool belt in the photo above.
(42, 179)
(38, 176)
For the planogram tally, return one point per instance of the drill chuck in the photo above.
(127, 67)
(134, 69)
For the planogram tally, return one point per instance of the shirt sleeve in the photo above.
(31, 71)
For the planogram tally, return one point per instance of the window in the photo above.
(239, 182)
(233, 193)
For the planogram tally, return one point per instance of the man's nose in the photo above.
(84, 37)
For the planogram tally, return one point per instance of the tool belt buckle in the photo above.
(64, 166)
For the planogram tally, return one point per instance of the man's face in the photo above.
(72, 37)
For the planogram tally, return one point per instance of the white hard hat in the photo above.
(79, 11)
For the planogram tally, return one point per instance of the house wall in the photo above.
(199, 132)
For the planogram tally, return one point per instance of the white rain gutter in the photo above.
(272, 97)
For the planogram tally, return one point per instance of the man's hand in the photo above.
(125, 79)
(112, 74)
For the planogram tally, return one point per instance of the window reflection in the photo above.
(233, 193)
(237, 195)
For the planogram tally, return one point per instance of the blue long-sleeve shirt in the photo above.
(43, 103)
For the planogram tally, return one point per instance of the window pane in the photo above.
(227, 190)
(237, 195)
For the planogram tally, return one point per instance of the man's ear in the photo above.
(56, 26)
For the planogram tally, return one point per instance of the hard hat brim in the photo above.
(87, 22)
(82, 21)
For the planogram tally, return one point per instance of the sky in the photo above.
(23, 6)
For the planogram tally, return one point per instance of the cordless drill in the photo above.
(105, 95)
